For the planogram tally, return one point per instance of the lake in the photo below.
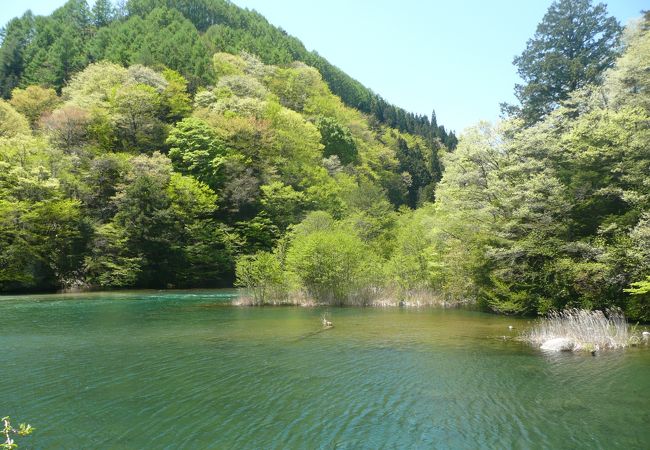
(172, 369)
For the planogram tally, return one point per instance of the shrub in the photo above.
(261, 274)
(334, 267)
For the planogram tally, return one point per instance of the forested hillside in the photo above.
(177, 143)
(126, 180)
(549, 209)
(181, 35)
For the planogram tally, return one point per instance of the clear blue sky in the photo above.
(451, 55)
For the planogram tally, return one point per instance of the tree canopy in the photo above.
(181, 35)
(574, 44)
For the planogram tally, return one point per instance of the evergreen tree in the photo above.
(103, 13)
(15, 37)
(575, 42)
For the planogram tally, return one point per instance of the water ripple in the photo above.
(169, 371)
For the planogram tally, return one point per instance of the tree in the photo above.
(33, 102)
(629, 81)
(195, 149)
(261, 273)
(95, 85)
(337, 140)
(136, 108)
(283, 204)
(177, 102)
(12, 123)
(206, 245)
(15, 38)
(144, 213)
(333, 266)
(164, 228)
(575, 42)
(109, 264)
(58, 45)
(103, 13)
(100, 184)
(411, 161)
(67, 127)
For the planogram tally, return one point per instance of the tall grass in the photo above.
(384, 297)
(587, 330)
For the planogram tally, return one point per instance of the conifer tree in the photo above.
(575, 42)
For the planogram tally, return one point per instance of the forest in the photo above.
(182, 144)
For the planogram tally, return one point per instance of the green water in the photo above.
(184, 370)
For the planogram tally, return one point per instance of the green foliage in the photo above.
(16, 37)
(33, 102)
(336, 140)
(57, 47)
(413, 166)
(135, 110)
(225, 64)
(333, 266)
(42, 243)
(552, 215)
(109, 264)
(12, 123)
(282, 204)
(182, 35)
(195, 148)
(261, 148)
(176, 100)
(575, 42)
(162, 36)
(638, 305)
(629, 81)
(103, 13)
(262, 275)
(94, 86)
(294, 86)
(640, 287)
(128, 183)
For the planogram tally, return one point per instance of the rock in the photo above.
(558, 345)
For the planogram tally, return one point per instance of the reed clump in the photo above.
(582, 330)
(381, 297)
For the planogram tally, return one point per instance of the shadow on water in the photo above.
(313, 333)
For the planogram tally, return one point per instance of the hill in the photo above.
(182, 35)
(165, 160)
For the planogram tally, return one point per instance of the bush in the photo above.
(334, 267)
(261, 273)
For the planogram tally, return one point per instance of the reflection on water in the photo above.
(184, 370)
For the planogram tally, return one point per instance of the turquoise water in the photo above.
(170, 370)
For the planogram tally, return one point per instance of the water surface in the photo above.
(176, 370)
